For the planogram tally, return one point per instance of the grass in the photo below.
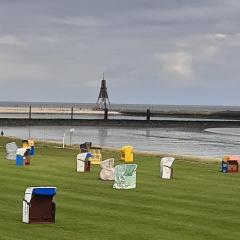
(199, 203)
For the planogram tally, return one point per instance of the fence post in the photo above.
(30, 112)
(148, 115)
(72, 113)
(63, 141)
(105, 114)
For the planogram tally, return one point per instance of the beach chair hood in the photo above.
(167, 161)
(84, 156)
(21, 151)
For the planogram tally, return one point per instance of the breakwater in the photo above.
(119, 123)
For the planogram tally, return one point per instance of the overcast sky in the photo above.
(152, 51)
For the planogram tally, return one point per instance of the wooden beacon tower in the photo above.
(103, 102)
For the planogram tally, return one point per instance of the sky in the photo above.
(151, 51)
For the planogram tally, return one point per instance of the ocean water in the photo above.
(115, 107)
(155, 107)
(210, 142)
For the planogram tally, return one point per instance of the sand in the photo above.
(53, 110)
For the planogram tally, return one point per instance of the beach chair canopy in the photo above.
(107, 169)
(44, 191)
(84, 156)
(30, 142)
(167, 161)
(85, 147)
(11, 149)
(125, 176)
(231, 158)
(22, 151)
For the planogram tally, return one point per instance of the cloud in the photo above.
(220, 35)
(82, 21)
(9, 40)
(68, 44)
(177, 63)
(12, 71)
(190, 52)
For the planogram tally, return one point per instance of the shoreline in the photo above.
(198, 114)
(200, 125)
(178, 157)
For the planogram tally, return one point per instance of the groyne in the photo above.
(119, 123)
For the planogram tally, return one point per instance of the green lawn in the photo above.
(199, 203)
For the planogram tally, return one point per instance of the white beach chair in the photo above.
(166, 171)
(83, 163)
(107, 169)
(11, 149)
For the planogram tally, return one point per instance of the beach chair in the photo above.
(38, 205)
(166, 170)
(83, 163)
(127, 154)
(107, 169)
(96, 155)
(32, 147)
(230, 164)
(22, 157)
(125, 176)
(29, 144)
(11, 149)
(85, 147)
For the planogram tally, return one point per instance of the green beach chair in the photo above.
(125, 176)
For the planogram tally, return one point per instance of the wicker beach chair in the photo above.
(96, 155)
(166, 170)
(39, 205)
(11, 149)
(83, 163)
(107, 169)
(125, 176)
(127, 154)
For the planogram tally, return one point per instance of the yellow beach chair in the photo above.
(127, 154)
(97, 155)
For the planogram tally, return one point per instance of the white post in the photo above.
(63, 141)
(71, 132)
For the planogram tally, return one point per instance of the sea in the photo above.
(214, 142)
(114, 106)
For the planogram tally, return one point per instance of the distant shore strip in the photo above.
(206, 114)
(119, 123)
(53, 110)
